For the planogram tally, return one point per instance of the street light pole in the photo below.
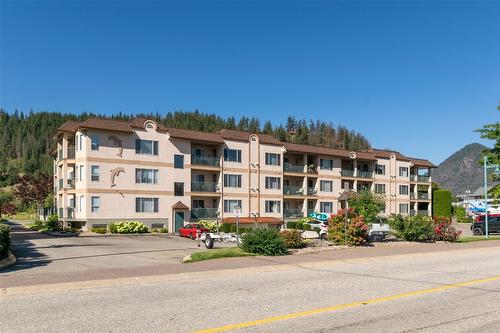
(496, 172)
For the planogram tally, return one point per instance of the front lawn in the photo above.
(219, 253)
(468, 239)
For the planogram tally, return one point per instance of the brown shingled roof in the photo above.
(422, 162)
(106, 124)
(384, 153)
(231, 134)
(69, 126)
(179, 205)
(138, 122)
(179, 133)
(301, 148)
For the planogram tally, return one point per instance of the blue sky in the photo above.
(417, 77)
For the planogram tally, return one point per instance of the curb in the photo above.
(7, 262)
(59, 234)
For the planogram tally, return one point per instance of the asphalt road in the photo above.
(448, 291)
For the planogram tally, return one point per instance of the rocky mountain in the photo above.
(461, 170)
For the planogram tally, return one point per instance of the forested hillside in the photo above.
(24, 138)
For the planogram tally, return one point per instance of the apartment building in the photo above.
(108, 170)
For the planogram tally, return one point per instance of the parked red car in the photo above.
(189, 230)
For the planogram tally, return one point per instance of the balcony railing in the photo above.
(310, 211)
(365, 174)
(412, 196)
(197, 186)
(205, 160)
(70, 213)
(71, 183)
(61, 213)
(61, 184)
(204, 213)
(293, 190)
(311, 191)
(293, 212)
(423, 195)
(71, 152)
(293, 167)
(423, 178)
(423, 212)
(413, 212)
(347, 173)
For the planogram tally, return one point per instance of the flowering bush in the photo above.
(128, 227)
(356, 232)
(443, 229)
(210, 225)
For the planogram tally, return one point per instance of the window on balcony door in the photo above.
(95, 203)
(232, 180)
(146, 205)
(81, 203)
(179, 161)
(347, 185)
(198, 203)
(273, 159)
(230, 205)
(273, 206)
(146, 176)
(403, 208)
(232, 155)
(403, 172)
(273, 183)
(94, 139)
(326, 185)
(94, 173)
(325, 164)
(380, 188)
(403, 189)
(146, 147)
(380, 169)
(178, 189)
(326, 207)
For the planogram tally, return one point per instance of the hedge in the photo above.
(441, 203)
(4, 240)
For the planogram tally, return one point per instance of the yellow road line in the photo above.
(345, 306)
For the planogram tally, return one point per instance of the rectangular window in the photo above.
(81, 173)
(380, 188)
(403, 208)
(403, 189)
(272, 159)
(80, 139)
(326, 185)
(146, 205)
(273, 183)
(403, 172)
(178, 189)
(230, 205)
(77, 146)
(326, 207)
(198, 203)
(146, 176)
(380, 169)
(232, 155)
(232, 180)
(179, 161)
(94, 173)
(273, 206)
(81, 204)
(146, 147)
(94, 141)
(325, 164)
(95, 203)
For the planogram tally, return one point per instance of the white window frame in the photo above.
(272, 183)
(140, 205)
(273, 206)
(324, 204)
(92, 168)
(273, 159)
(139, 176)
(232, 180)
(323, 187)
(230, 204)
(94, 208)
(401, 187)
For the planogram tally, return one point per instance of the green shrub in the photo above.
(461, 215)
(441, 203)
(52, 222)
(266, 241)
(4, 240)
(232, 228)
(210, 225)
(306, 227)
(128, 227)
(291, 225)
(355, 234)
(226, 227)
(317, 229)
(99, 230)
(292, 239)
(412, 228)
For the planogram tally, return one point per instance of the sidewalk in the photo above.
(8, 280)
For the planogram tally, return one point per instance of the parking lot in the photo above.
(43, 258)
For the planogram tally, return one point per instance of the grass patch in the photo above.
(219, 253)
(24, 216)
(468, 239)
(37, 227)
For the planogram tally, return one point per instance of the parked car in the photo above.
(321, 225)
(479, 228)
(190, 230)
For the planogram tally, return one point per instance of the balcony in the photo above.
(293, 167)
(423, 178)
(347, 173)
(204, 213)
(310, 211)
(422, 212)
(423, 195)
(293, 190)
(413, 212)
(70, 184)
(311, 191)
(60, 213)
(61, 184)
(70, 213)
(71, 152)
(365, 174)
(197, 186)
(293, 212)
(412, 196)
(205, 161)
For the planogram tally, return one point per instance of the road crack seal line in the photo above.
(284, 317)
